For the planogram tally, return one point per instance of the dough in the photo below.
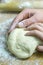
(20, 45)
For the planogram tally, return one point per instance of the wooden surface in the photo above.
(6, 16)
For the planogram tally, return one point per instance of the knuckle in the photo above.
(37, 18)
(35, 31)
(35, 25)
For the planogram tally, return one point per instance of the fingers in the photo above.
(40, 48)
(27, 22)
(37, 26)
(26, 13)
(35, 33)
(40, 24)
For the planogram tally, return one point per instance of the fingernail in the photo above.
(20, 24)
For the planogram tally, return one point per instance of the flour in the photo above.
(6, 58)
(4, 53)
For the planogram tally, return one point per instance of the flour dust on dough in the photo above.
(20, 45)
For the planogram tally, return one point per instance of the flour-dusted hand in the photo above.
(27, 17)
(36, 29)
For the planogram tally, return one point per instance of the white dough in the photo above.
(20, 45)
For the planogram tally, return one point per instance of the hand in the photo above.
(27, 17)
(36, 29)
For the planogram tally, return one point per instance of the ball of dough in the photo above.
(20, 45)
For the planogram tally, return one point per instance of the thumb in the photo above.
(27, 22)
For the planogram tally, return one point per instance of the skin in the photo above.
(32, 20)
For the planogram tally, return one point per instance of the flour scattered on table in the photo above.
(4, 53)
(6, 58)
